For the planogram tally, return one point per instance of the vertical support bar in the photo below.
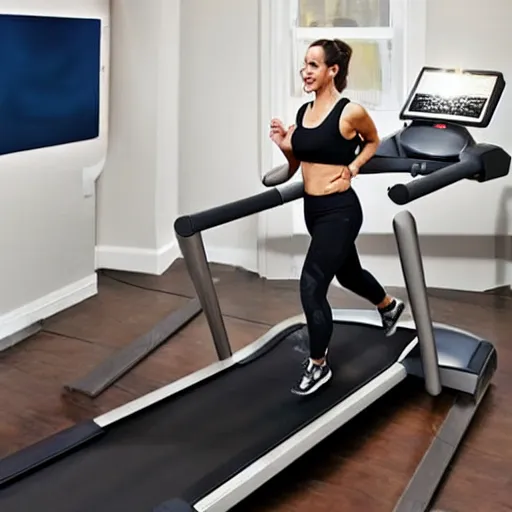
(192, 248)
(404, 226)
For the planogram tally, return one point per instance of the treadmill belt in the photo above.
(189, 444)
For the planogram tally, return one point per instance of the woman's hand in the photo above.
(341, 181)
(279, 134)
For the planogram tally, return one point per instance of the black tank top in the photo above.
(324, 144)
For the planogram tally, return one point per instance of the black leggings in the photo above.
(333, 221)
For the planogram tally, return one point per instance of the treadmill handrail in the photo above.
(190, 224)
(468, 166)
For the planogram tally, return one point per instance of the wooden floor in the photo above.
(364, 467)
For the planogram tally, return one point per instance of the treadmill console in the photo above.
(442, 102)
(440, 105)
(436, 143)
(462, 97)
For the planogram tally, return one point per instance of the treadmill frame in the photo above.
(246, 481)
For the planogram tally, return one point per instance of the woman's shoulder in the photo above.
(354, 110)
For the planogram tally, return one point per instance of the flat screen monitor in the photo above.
(50, 70)
(458, 96)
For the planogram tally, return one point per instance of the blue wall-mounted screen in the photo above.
(49, 81)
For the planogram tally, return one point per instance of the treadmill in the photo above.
(210, 439)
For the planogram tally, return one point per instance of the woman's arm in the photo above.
(287, 150)
(283, 139)
(361, 122)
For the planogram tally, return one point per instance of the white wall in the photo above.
(138, 190)
(180, 99)
(47, 204)
(219, 119)
(467, 225)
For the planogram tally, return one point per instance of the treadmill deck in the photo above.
(189, 444)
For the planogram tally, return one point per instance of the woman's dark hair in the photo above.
(339, 53)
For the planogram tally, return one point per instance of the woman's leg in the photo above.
(352, 276)
(332, 237)
(314, 284)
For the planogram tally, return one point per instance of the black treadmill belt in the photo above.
(189, 444)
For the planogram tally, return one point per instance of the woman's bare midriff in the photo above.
(318, 177)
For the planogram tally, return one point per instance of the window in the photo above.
(344, 13)
(375, 31)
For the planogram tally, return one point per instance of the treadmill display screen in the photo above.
(451, 96)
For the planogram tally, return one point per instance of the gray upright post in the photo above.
(192, 248)
(406, 234)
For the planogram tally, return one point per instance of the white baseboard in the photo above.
(244, 258)
(26, 316)
(135, 259)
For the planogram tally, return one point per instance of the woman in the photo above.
(325, 141)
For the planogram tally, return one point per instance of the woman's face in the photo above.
(315, 73)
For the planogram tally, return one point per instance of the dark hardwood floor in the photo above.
(364, 467)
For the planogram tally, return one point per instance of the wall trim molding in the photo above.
(242, 258)
(26, 317)
(136, 259)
